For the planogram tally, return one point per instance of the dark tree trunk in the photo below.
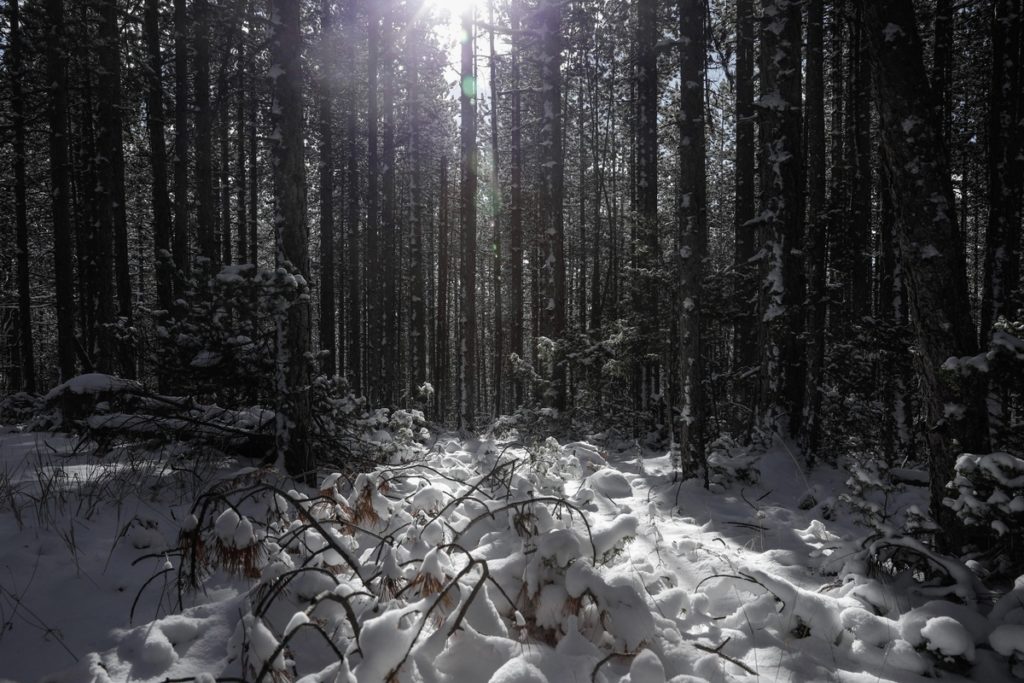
(56, 77)
(291, 233)
(467, 209)
(858, 286)
(328, 342)
(942, 66)
(111, 153)
(499, 335)
(692, 222)
(441, 332)
(745, 334)
(929, 240)
(355, 264)
(516, 207)
(254, 168)
(552, 195)
(26, 366)
(418, 293)
(373, 283)
(241, 123)
(647, 243)
(158, 156)
(182, 262)
(224, 189)
(817, 227)
(1002, 244)
(389, 224)
(782, 288)
(207, 238)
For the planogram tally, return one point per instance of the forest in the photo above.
(511, 340)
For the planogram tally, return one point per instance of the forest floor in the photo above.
(738, 583)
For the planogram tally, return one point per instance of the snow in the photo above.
(948, 637)
(675, 582)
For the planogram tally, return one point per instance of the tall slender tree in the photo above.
(60, 189)
(291, 236)
(930, 244)
(26, 356)
(158, 154)
(692, 222)
(782, 288)
(328, 342)
(180, 243)
(467, 210)
(745, 334)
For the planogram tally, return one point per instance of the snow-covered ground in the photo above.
(474, 561)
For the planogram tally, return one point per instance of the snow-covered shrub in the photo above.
(730, 462)
(989, 496)
(403, 562)
(870, 493)
(219, 341)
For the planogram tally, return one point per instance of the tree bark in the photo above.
(441, 331)
(328, 342)
(817, 227)
(207, 238)
(292, 238)
(56, 76)
(516, 206)
(111, 153)
(552, 195)
(782, 290)
(26, 360)
(418, 293)
(467, 208)
(692, 221)
(929, 240)
(158, 155)
(499, 336)
(180, 245)
(647, 242)
(745, 331)
(1002, 244)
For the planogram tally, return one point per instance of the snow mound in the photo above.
(610, 483)
(948, 637)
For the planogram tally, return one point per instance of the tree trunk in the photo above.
(782, 289)
(111, 150)
(355, 264)
(241, 123)
(646, 244)
(1002, 245)
(328, 342)
(254, 168)
(817, 228)
(389, 224)
(441, 332)
(374, 295)
(692, 221)
(745, 332)
(291, 232)
(467, 209)
(858, 288)
(499, 335)
(56, 76)
(158, 156)
(516, 207)
(208, 247)
(224, 189)
(929, 239)
(418, 324)
(942, 64)
(182, 262)
(26, 361)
